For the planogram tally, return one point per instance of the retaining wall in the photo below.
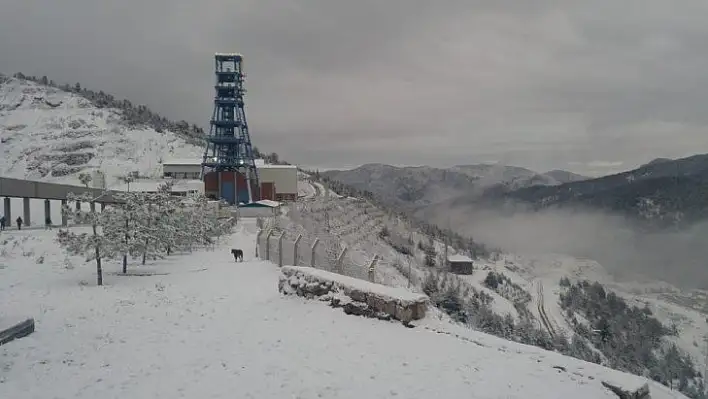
(398, 303)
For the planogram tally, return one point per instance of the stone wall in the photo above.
(398, 303)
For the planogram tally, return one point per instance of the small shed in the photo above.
(460, 264)
(262, 208)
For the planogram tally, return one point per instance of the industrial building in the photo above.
(277, 182)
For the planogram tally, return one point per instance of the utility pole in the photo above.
(445, 237)
(705, 365)
(409, 272)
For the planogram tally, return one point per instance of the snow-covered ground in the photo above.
(205, 327)
(55, 143)
(305, 189)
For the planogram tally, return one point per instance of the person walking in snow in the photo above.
(2, 222)
(19, 222)
(48, 223)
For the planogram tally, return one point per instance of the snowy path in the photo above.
(541, 307)
(305, 189)
(212, 328)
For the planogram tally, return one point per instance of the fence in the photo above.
(321, 253)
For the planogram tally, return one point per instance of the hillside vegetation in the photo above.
(629, 337)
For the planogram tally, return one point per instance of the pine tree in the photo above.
(125, 229)
(94, 246)
(149, 240)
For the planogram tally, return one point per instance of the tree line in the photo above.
(141, 225)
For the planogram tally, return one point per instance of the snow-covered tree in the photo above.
(203, 222)
(168, 212)
(128, 213)
(95, 245)
(85, 179)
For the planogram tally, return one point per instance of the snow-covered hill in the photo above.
(202, 326)
(50, 134)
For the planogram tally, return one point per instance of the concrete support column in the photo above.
(7, 211)
(219, 193)
(47, 210)
(64, 220)
(92, 206)
(26, 212)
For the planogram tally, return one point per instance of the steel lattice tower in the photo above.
(229, 146)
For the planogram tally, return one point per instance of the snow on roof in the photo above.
(261, 203)
(179, 186)
(183, 161)
(458, 258)
(270, 203)
(270, 166)
(228, 54)
(261, 164)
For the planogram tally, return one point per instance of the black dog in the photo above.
(238, 254)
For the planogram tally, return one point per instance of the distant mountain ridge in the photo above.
(665, 191)
(669, 191)
(419, 186)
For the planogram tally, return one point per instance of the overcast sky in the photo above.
(589, 86)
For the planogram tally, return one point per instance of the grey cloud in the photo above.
(544, 84)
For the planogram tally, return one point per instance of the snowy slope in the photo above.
(357, 222)
(52, 135)
(204, 327)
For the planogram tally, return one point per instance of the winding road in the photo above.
(545, 320)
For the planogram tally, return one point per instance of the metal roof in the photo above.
(262, 204)
(458, 258)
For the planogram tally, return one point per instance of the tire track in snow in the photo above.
(542, 310)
